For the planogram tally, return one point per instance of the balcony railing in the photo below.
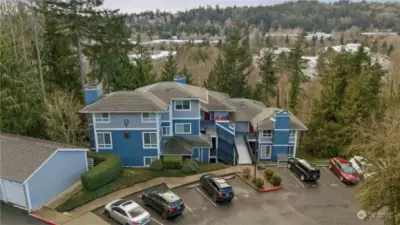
(292, 138)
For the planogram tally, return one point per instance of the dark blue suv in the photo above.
(217, 187)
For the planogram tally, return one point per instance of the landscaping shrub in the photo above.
(268, 173)
(276, 180)
(190, 166)
(172, 162)
(246, 173)
(157, 165)
(259, 183)
(103, 173)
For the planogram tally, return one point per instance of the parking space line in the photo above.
(156, 221)
(295, 178)
(206, 197)
(234, 197)
(186, 205)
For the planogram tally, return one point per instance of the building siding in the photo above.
(130, 150)
(59, 173)
(196, 154)
(165, 116)
(119, 120)
(205, 155)
(194, 111)
(221, 114)
(195, 126)
(242, 127)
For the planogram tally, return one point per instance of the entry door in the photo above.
(14, 192)
(206, 116)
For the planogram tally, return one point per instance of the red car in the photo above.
(343, 169)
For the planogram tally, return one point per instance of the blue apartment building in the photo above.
(173, 118)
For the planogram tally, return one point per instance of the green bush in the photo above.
(157, 165)
(259, 183)
(190, 166)
(276, 180)
(172, 162)
(107, 170)
(268, 173)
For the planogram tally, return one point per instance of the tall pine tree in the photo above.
(169, 68)
(144, 74)
(297, 65)
(268, 76)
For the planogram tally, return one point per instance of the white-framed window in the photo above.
(182, 105)
(102, 117)
(291, 151)
(266, 151)
(267, 133)
(165, 130)
(183, 128)
(292, 133)
(104, 140)
(149, 159)
(149, 118)
(149, 139)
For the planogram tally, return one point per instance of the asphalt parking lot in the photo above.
(12, 216)
(299, 203)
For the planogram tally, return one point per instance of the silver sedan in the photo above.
(127, 212)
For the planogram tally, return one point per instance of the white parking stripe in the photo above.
(156, 221)
(206, 197)
(186, 205)
(295, 178)
(234, 197)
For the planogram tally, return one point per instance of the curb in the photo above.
(43, 219)
(271, 189)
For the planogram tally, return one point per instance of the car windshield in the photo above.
(348, 169)
(175, 203)
(136, 212)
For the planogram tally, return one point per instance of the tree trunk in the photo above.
(81, 62)
(39, 59)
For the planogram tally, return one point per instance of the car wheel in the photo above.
(145, 202)
(330, 166)
(216, 198)
(341, 179)
(289, 165)
(164, 215)
(107, 213)
(302, 177)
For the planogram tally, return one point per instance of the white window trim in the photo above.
(294, 150)
(266, 132)
(190, 105)
(168, 129)
(102, 120)
(148, 119)
(270, 152)
(104, 146)
(149, 145)
(183, 124)
(292, 132)
(149, 157)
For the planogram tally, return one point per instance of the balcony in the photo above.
(292, 139)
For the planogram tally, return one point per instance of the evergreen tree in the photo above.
(143, 65)
(233, 69)
(390, 49)
(287, 41)
(321, 40)
(169, 68)
(187, 75)
(268, 77)
(384, 46)
(297, 65)
(268, 42)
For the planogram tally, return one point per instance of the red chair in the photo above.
(217, 118)
(223, 118)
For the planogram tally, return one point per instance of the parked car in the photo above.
(344, 170)
(217, 187)
(127, 212)
(164, 201)
(304, 169)
(361, 166)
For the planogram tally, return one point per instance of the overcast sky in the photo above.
(130, 6)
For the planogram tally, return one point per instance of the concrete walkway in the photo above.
(83, 216)
(243, 152)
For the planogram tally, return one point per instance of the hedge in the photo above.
(157, 165)
(108, 168)
(190, 166)
(172, 162)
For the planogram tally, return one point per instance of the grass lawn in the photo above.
(311, 158)
(128, 177)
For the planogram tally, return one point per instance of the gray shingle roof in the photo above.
(217, 102)
(21, 156)
(262, 121)
(246, 109)
(126, 101)
(184, 145)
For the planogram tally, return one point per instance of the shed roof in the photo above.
(21, 155)
(184, 145)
